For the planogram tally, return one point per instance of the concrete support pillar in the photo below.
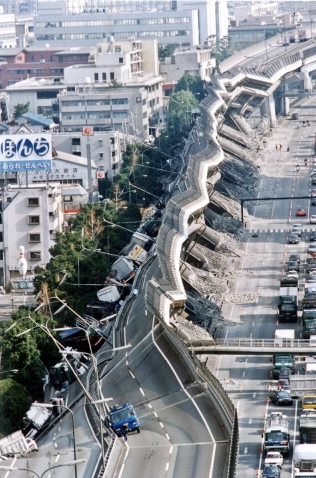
(284, 101)
(267, 109)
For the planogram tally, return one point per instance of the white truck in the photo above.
(274, 458)
(304, 461)
(283, 337)
(36, 418)
(16, 444)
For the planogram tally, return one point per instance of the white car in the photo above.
(312, 219)
(297, 230)
(292, 275)
(312, 249)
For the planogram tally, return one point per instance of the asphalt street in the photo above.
(247, 379)
(181, 434)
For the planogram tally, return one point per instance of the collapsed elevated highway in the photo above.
(202, 195)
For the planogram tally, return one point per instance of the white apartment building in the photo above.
(182, 22)
(257, 9)
(194, 62)
(105, 149)
(120, 90)
(66, 169)
(36, 213)
(7, 31)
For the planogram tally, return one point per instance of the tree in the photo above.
(223, 50)
(4, 111)
(165, 51)
(180, 115)
(20, 109)
(191, 83)
(14, 403)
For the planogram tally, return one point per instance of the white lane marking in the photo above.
(167, 467)
(142, 391)
(190, 398)
(57, 458)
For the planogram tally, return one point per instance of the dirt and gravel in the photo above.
(210, 287)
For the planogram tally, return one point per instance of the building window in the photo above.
(34, 238)
(120, 60)
(68, 199)
(100, 143)
(103, 76)
(112, 76)
(35, 255)
(33, 220)
(75, 141)
(33, 202)
(96, 77)
(101, 155)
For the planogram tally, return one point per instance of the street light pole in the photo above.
(50, 405)
(15, 468)
(94, 361)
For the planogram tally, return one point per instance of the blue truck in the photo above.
(123, 416)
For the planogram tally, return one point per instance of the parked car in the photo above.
(313, 201)
(293, 239)
(280, 397)
(312, 219)
(285, 385)
(309, 401)
(300, 211)
(292, 275)
(311, 279)
(297, 230)
(313, 192)
(312, 236)
(285, 372)
(293, 266)
(271, 471)
(311, 249)
(295, 257)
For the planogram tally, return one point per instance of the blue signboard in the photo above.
(25, 152)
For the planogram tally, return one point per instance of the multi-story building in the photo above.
(7, 31)
(195, 62)
(181, 22)
(119, 90)
(36, 211)
(104, 148)
(18, 7)
(17, 64)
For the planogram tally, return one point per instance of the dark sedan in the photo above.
(271, 471)
(312, 236)
(295, 258)
(293, 266)
(294, 239)
(280, 397)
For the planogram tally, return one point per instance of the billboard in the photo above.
(87, 131)
(25, 152)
